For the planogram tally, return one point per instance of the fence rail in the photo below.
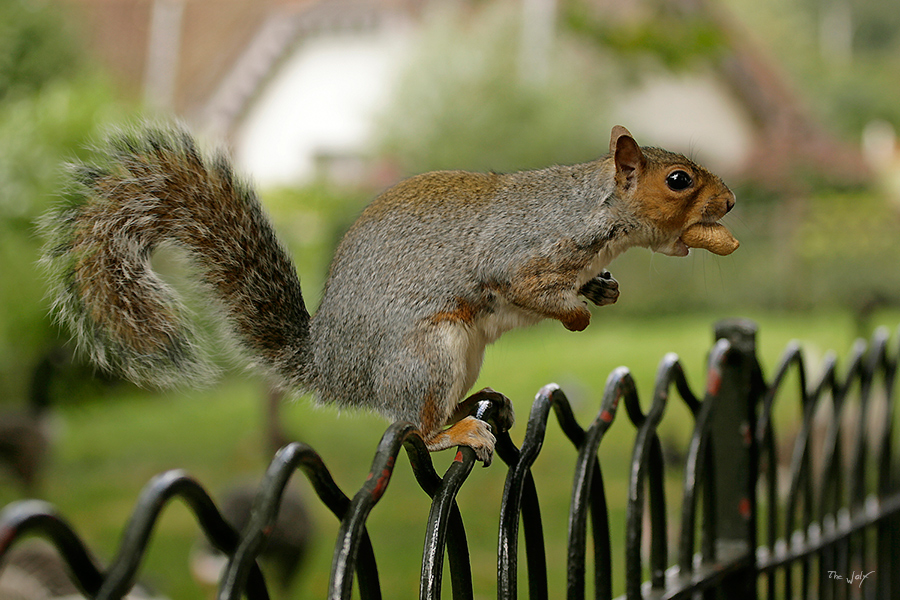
(831, 516)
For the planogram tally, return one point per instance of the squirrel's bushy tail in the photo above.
(151, 186)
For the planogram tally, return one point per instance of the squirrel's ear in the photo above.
(627, 153)
(617, 132)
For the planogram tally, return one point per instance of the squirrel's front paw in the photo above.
(601, 290)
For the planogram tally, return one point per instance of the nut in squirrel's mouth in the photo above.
(712, 236)
(708, 233)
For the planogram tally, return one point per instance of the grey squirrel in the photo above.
(433, 270)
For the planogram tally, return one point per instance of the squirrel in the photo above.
(433, 270)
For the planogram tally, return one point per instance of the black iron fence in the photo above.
(826, 525)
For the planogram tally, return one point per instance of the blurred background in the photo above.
(325, 103)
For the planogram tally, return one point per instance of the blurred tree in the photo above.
(792, 146)
(876, 26)
(844, 55)
(35, 47)
(482, 112)
(51, 100)
(678, 39)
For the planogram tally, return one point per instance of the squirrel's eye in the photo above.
(679, 180)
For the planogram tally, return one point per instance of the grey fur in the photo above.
(433, 270)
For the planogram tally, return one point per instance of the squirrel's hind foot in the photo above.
(469, 431)
(473, 430)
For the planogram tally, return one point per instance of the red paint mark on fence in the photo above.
(383, 479)
(713, 381)
(744, 508)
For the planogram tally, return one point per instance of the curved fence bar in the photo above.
(766, 438)
(699, 469)
(888, 537)
(646, 465)
(519, 486)
(122, 573)
(287, 461)
(825, 502)
(445, 527)
(353, 523)
(588, 494)
(35, 517)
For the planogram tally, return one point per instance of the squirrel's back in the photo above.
(151, 187)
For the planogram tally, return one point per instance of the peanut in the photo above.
(710, 236)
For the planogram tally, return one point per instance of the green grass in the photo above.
(108, 450)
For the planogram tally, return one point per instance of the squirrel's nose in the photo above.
(729, 203)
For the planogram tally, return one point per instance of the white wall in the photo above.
(321, 101)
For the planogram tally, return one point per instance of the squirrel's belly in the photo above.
(501, 319)
(467, 341)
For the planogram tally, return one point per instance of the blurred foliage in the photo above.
(51, 102)
(311, 221)
(848, 86)
(677, 41)
(35, 47)
(848, 248)
(481, 113)
(859, 223)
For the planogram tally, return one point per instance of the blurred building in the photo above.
(293, 85)
(290, 84)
